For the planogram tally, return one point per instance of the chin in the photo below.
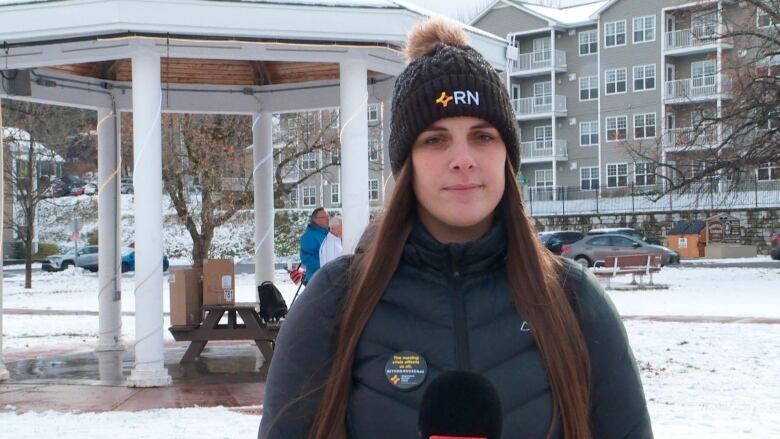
(465, 218)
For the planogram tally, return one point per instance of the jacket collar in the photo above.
(317, 228)
(483, 254)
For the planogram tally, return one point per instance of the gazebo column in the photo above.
(149, 369)
(4, 376)
(354, 150)
(263, 180)
(109, 250)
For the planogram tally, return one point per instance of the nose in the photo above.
(462, 159)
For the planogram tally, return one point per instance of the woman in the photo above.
(455, 279)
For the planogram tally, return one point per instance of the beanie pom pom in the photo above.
(425, 36)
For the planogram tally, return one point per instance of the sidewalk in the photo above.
(230, 375)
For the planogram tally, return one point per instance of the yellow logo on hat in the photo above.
(444, 100)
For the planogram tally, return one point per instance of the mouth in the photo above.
(463, 188)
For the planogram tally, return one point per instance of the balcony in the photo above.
(535, 63)
(539, 107)
(699, 39)
(688, 138)
(698, 89)
(543, 151)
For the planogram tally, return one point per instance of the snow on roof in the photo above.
(18, 141)
(567, 16)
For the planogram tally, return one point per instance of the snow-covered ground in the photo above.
(700, 379)
(188, 423)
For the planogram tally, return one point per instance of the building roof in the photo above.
(688, 227)
(18, 141)
(565, 13)
(569, 16)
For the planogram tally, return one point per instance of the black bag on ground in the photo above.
(272, 304)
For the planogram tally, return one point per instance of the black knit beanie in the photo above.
(447, 78)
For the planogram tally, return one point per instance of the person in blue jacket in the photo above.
(312, 239)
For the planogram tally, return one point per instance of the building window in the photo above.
(541, 51)
(762, 18)
(373, 112)
(543, 178)
(309, 161)
(617, 175)
(374, 151)
(644, 174)
(543, 137)
(589, 42)
(373, 190)
(644, 126)
(644, 77)
(769, 171)
(589, 133)
(615, 33)
(335, 193)
(589, 88)
(335, 154)
(616, 81)
(703, 74)
(294, 196)
(704, 24)
(589, 178)
(309, 196)
(542, 93)
(617, 127)
(644, 29)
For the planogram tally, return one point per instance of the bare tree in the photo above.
(33, 134)
(727, 146)
(208, 165)
(204, 172)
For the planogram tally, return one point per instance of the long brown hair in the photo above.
(535, 280)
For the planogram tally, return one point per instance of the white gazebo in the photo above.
(255, 57)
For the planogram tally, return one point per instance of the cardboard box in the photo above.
(219, 282)
(185, 292)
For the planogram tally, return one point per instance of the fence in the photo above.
(538, 60)
(747, 194)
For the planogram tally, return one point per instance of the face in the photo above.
(322, 218)
(458, 168)
(336, 230)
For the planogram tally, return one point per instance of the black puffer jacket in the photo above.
(449, 303)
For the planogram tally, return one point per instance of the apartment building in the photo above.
(593, 81)
(324, 188)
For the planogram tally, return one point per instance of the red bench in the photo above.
(636, 265)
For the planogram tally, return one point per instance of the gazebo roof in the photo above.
(290, 32)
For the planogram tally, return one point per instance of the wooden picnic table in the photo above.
(252, 328)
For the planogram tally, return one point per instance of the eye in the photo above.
(432, 140)
(485, 137)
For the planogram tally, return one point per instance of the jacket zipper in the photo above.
(462, 350)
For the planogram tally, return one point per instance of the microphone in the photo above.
(460, 405)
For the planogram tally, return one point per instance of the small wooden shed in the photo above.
(688, 238)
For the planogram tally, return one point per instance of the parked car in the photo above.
(594, 249)
(625, 231)
(555, 240)
(775, 243)
(76, 191)
(128, 262)
(126, 186)
(90, 189)
(87, 257)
